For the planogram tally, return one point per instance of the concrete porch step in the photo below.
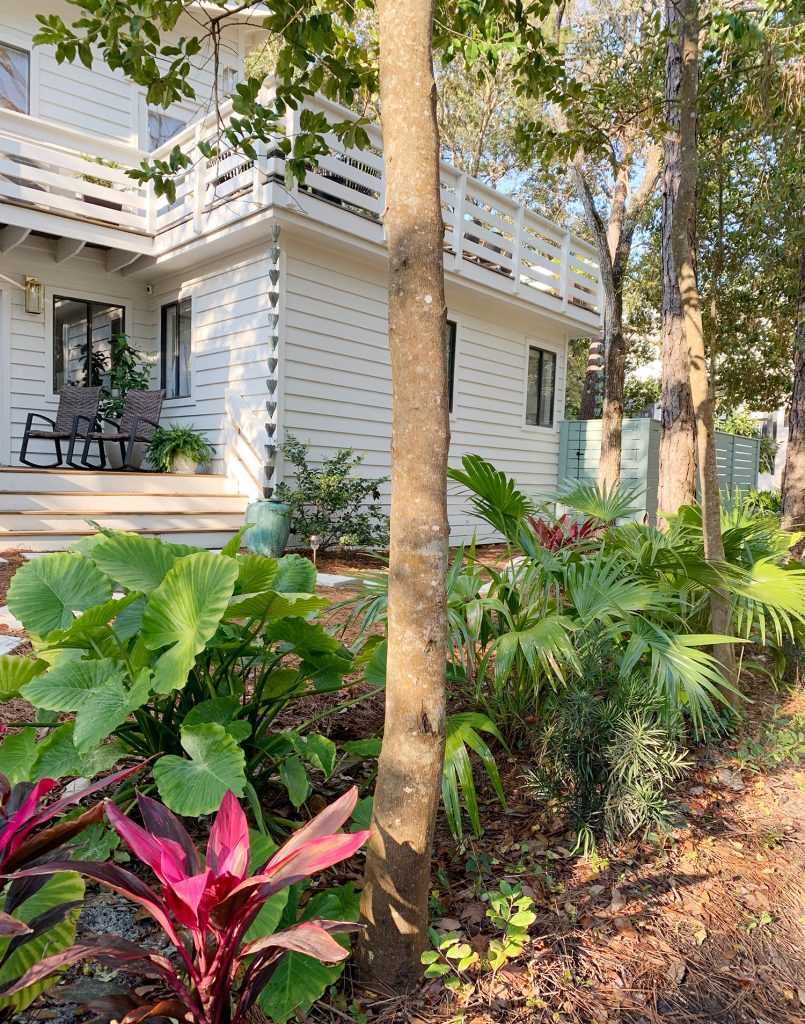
(46, 542)
(30, 481)
(20, 524)
(85, 503)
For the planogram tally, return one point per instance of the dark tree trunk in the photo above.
(394, 904)
(609, 468)
(588, 406)
(793, 490)
(677, 474)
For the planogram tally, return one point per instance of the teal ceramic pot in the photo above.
(271, 529)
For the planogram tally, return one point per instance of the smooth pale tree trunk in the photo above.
(683, 218)
(394, 904)
(793, 490)
(677, 475)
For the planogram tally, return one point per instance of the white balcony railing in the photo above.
(487, 234)
(61, 171)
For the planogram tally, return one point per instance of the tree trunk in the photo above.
(609, 468)
(394, 904)
(677, 474)
(793, 489)
(592, 376)
(683, 219)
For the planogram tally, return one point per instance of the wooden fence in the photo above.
(580, 454)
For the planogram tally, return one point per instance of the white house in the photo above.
(263, 310)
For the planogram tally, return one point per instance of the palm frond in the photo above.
(464, 731)
(494, 496)
(606, 505)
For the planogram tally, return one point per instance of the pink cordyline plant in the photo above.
(563, 532)
(24, 840)
(220, 974)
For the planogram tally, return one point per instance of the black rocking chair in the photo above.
(76, 405)
(138, 422)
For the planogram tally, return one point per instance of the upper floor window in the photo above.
(450, 339)
(82, 341)
(15, 79)
(541, 387)
(229, 79)
(161, 128)
(177, 320)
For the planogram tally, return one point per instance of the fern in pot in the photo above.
(178, 449)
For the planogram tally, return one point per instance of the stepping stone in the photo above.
(10, 643)
(7, 619)
(328, 579)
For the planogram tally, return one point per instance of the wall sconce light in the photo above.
(34, 296)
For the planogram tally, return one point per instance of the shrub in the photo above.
(523, 636)
(210, 915)
(330, 501)
(607, 752)
(193, 661)
(175, 442)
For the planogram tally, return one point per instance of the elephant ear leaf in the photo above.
(16, 672)
(295, 575)
(138, 564)
(197, 784)
(45, 593)
(94, 690)
(183, 613)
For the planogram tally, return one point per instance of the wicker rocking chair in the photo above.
(138, 422)
(77, 405)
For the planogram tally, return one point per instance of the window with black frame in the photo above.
(15, 79)
(541, 388)
(450, 340)
(82, 341)
(177, 319)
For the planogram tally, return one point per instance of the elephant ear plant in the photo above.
(38, 915)
(175, 653)
(207, 911)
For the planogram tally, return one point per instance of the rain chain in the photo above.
(272, 380)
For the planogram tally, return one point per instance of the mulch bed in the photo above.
(706, 927)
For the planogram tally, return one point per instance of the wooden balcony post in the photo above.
(517, 246)
(458, 220)
(564, 276)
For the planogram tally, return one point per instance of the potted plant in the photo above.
(178, 449)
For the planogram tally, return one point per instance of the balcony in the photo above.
(62, 182)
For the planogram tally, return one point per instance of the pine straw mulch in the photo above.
(708, 928)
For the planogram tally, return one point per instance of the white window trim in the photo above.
(52, 399)
(546, 346)
(187, 401)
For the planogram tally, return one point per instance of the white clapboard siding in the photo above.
(97, 100)
(230, 327)
(336, 383)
